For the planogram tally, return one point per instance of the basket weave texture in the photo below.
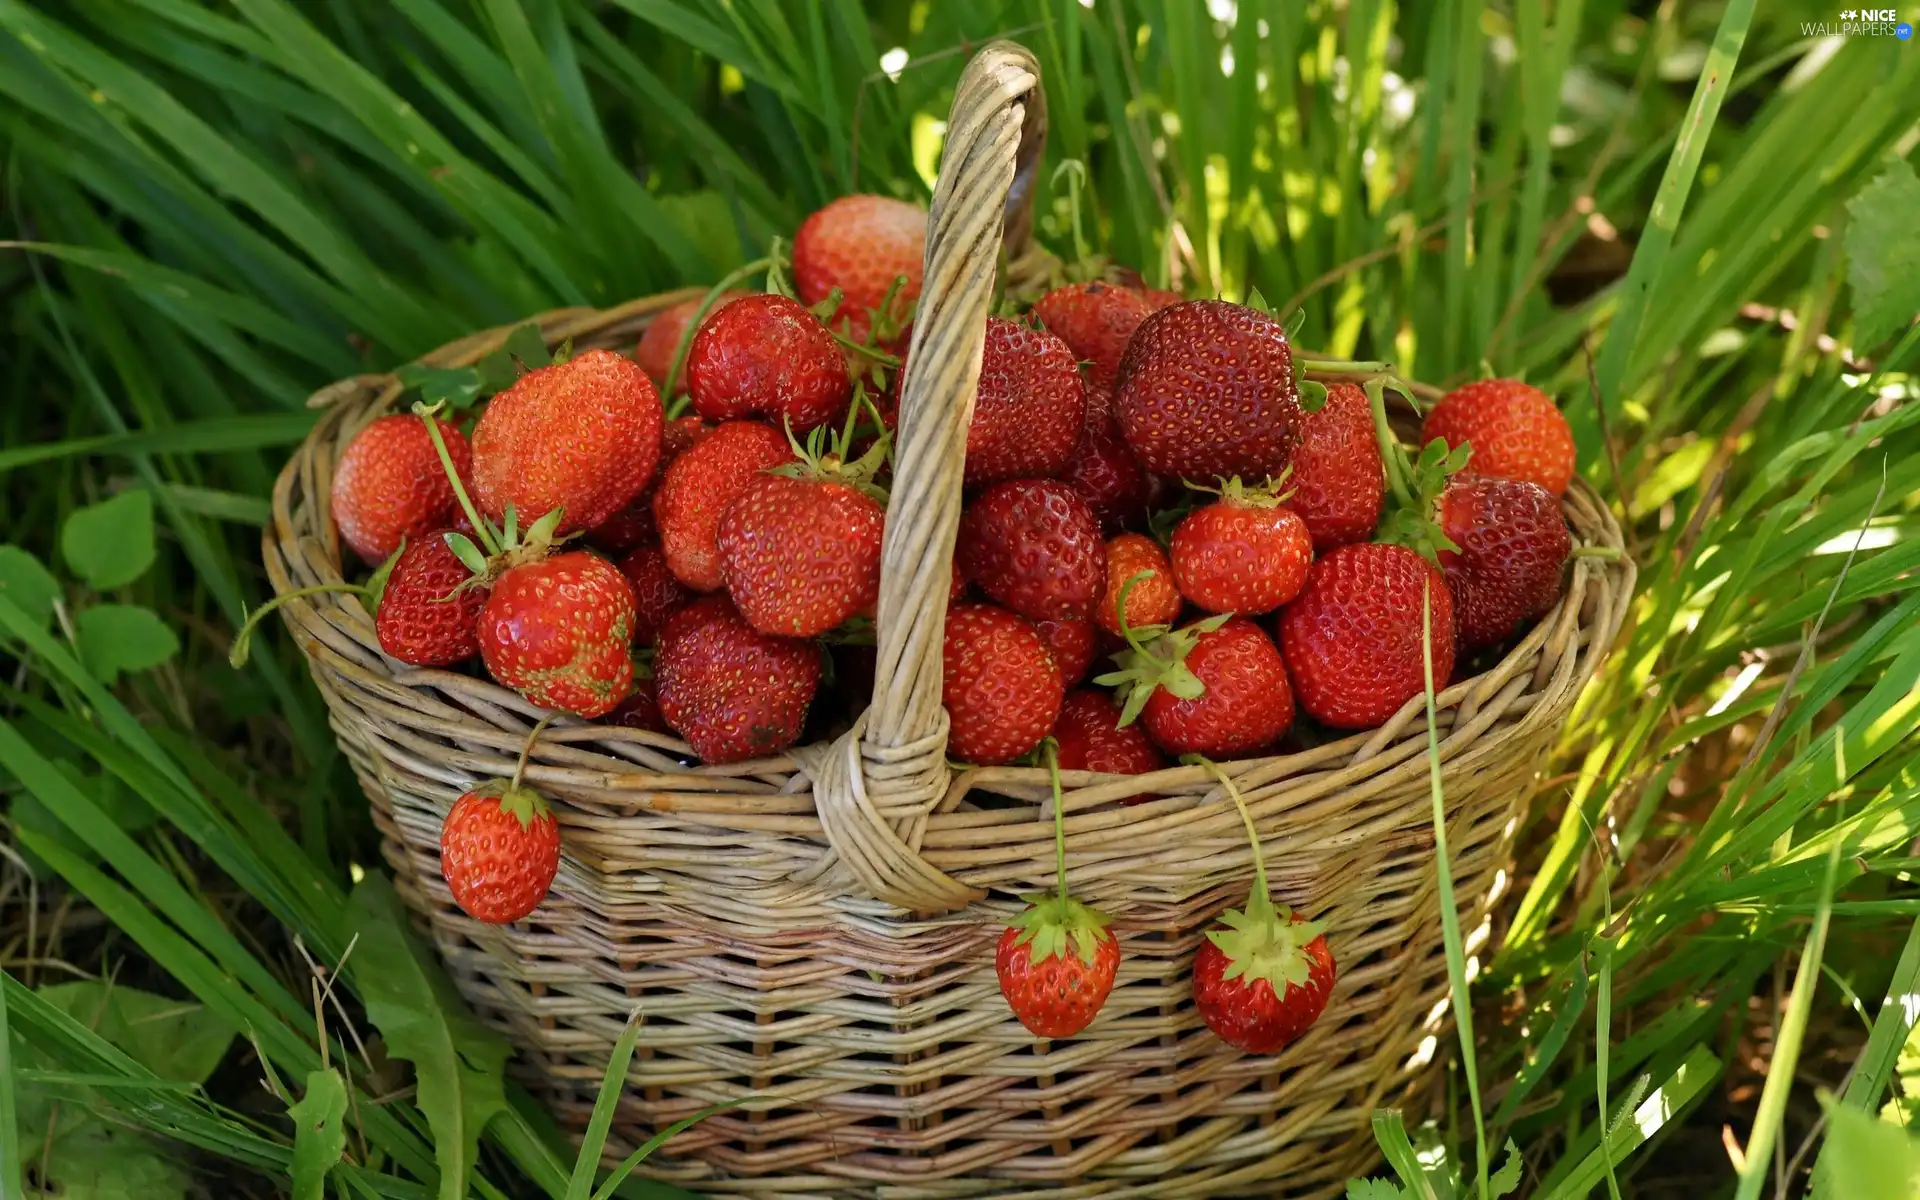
(816, 931)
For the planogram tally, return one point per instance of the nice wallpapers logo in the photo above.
(1861, 22)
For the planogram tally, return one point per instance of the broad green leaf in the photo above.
(1374, 1189)
(1883, 254)
(28, 583)
(97, 1161)
(1507, 1178)
(115, 638)
(457, 388)
(1865, 1158)
(175, 1039)
(110, 544)
(319, 1133)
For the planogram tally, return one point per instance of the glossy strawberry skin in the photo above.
(1510, 568)
(640, 710)
(1029, 408)
(662, 337)
(1206, 391)
(390, 485)
(1114, 484)
(425, 618)
(732, 692)
(1061, 994)
(800, 556)
(1247, 703)
(860, 244)
(1352, 637)
(1339, 483)
(633, 524)
(1094, 319)
(583, 436)
(1091, 738)
(767, 356)
(698, 487)
(560, 632)
(657, 595)
(1033, 545)
(497, 869)
(1246, 1014)
(1154, 600)
(1000, 686)
(1072, 643)
(1514, 429)
(1241, 558)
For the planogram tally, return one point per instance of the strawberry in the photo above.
(1152, 599)
(1339, 481)
(1034, 545)
(1159, 298)
(640, 710)
(633, 524)
(661, 339)
(1514, 429)
(1030, 406)
(1071, 642)
(1263, 975)
(426, 617)
(732, 692)
(1513, 545)
(1214, 687)
(499, 850)
(581, 436)
(867, 246)
(656, 593)
(697, 488)
(1244, 553)
(767, 356)
(559, 630)
(1352, 637)
(1092, 738)
(1105, 472)
(390, 486)
(1095, 319)
(1206, 391)
(999, 684)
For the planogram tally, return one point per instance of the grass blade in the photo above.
(612, 1084)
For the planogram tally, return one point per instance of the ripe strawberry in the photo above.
(499, 850)
(662, 338)
(640, 710)
(1034, 545)
(861, 245)
(425, 618)
(1151, 599)
(732, 692)
(1206, 391)
(1214, 687)
(1514, 429)
(1071, 641)
(1338, 480)
(1262, 977)
(1245, 553)
(656, 593)
(390, 485)
(1000, 687)
(1027, 417)
(1105, 472)
(697, 488)
(1095, 319)
(633, 524)
(559, 631)
(767, 356)
(582, 436)
(800, 547)
(1159, 298)
(1352, 637)
(1513, 550)
(1092, 738)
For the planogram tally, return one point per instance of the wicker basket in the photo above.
(815, 931)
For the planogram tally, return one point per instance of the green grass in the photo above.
(215, 208)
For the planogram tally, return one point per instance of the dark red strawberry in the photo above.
(1137, 567)
(1030, 406)
(1514, 429)
(1215, 687)
(426, 618)
(1115, 486)
(1510, 568)
(1072, 642)
(633, 524)
(390, 485)
(640, 710)
(1000, 686)
(1095, 319)
(800, 546)
(1338, 480)
(1159, 298)
(767, 356)
(559, 631)
(1352, 637)
(661, 338)
(1206, 391)
(697, 488)
(1092, 738)
(732, 692)
(656, 593)
(1034, 545)
(499, 851)
(867, 246)
(1245, 553)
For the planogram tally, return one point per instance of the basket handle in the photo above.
(875, 787)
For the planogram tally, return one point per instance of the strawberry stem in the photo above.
(1604, 553)
(1390, 452)
(1334, 366)
(1059, 819)
(430, 413)
(243, 640)
(526, 751)
(707, 304)
(1259, 894)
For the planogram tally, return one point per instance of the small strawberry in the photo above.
(1000, 686)
(425, 616)
(767, 356)
(1092, 738)
(660, 342)
(1029, 409)
(1095, 319)
(390, 486)
(1153, 598)
(1115, 486)
(1339, 481)
(1514, 429)
(656, 593)
(1244, 553)
(1034, 545)
(1159, 298)
(1352, 637)
(640, 710)
(559, 630)
(1217, 686)
(633, 524)
(732, 692)
(499, 851)
(867, 246)
(1262, 977)
(581, 436)
(1071, 641)
(697, 488)
(1509, 569)
(1057, 960)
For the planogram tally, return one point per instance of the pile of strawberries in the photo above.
(1161, 484)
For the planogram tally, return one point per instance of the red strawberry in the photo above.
(425, 617)
(559, 631)
(999, 684)
(1159, 298)
(1095, 319)
(861, 245)
(1206, 391)
(633, 524)
(1092, 738)
(1105, 472)
(1027, 417)
(1514, 429)
(1262, 977)
(697, 488)
(1151, 600)
(1034, 545)
(1513, 550)
(732, 692)
(1071, 641)
(1352, 636)
(662, 338)
(767, 356)
(640, 710)
(1215, 687)
(800, 547)
(499, 850)
(390, 485)
(1338, 480)
(656, 593)
(1244, 553)
(582, 436)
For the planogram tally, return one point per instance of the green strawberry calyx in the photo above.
(1271, 493)
(1414, 485)
(1054, 921)
(1155, 657)
(522, 803)
(825, 460)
